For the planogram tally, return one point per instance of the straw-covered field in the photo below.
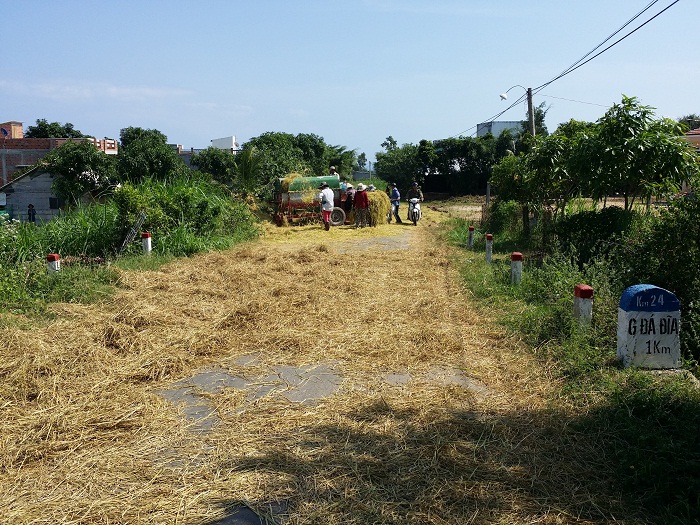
(437, 417)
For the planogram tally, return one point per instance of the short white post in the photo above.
(489, 247)
(146, 242)
(583, 303)
(53, 262)
(516, 267)
(470, 241)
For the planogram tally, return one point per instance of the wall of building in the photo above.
(33, 189)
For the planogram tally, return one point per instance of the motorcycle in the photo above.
(414, 213)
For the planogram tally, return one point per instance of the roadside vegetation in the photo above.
(646, 425)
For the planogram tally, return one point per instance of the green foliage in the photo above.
(145, 154)
(504, 216)
(79, 168)
(592, 233)
(651, 438)
(43, 129)
(184, 214)
(27, 287)
(218, 163)
(398, 164)
(638, 155)
(249, 175)
(283, 153)
(645, 426)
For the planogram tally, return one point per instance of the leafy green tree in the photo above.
(426, 159)
(389, 144)
(637, 155)
(219, 163)
(146, 154)
(342, 158)
(559, 167)
(465, 163)
(79, 168)
(283, 153)
(280, 157)
(398, 164)
(362, 161)
(45, 129)
(507, 179)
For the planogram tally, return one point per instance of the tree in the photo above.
(219, 163)
(45, 130)
(465, 163)
(283, 153)
(145, 154)
(426, 157)
(79, 168)
(398, 164)
(637, 155)
(280, 157)
(559, 166)
(342, 158)
(362, 161)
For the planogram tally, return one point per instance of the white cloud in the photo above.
(69, 91)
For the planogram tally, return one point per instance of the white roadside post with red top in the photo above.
(146, 242)
(516, 267)
(489, 247)
(53, 262)
(583, 303)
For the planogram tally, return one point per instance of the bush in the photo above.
(592, 233)
(504, 216)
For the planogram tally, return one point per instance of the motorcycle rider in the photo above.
(413, 192)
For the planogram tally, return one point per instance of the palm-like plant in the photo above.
(248, 172)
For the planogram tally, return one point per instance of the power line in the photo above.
(570, 70)
(582, 61)
(579, 101)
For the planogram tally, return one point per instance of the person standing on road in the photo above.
(414, 192)
(326, 200)
(349, 198)
(31, 213)
(395, 198)
(361, 205)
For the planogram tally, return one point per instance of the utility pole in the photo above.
(530, 112)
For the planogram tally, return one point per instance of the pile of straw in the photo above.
(379, 207)
(86, 438)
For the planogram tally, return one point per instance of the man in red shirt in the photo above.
(361, 204)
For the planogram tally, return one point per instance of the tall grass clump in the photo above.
(185, 215)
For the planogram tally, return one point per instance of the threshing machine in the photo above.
(297, 199)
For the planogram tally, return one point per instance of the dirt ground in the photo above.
(309, 377)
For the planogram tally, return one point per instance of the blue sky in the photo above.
(353, 72)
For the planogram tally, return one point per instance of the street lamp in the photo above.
(530, 109)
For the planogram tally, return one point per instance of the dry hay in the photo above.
(86, 438)
(286, 181)
(379, 207)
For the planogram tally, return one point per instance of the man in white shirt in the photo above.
(326, 200)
